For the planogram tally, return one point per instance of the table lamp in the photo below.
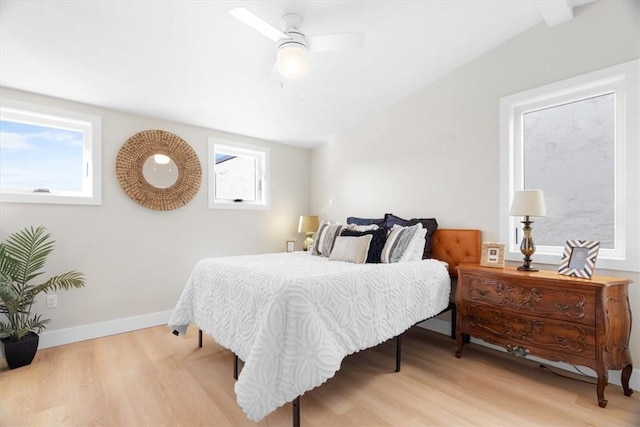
(528, 203)
(308, 224)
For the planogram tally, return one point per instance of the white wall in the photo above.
(436, 153)
(137, 260)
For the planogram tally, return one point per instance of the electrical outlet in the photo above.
(52, 301)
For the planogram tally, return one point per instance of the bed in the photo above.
(293, 317)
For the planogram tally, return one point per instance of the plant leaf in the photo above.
(30, 248)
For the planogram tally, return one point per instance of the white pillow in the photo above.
(356, 227)
(351, 249)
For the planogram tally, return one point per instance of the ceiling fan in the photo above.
(293, 45)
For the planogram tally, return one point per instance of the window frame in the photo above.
(88, 124)
(621, 79)
(262, 156)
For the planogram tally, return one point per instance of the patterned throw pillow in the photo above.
(398, 240)
(415, 250)
(326, 236)
(329, 238)
(430, 224)
(351, 249)
(315, 249)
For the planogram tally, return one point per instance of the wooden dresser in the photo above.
(556, 317)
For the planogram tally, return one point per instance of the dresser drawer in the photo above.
(575, 305)
(550, 336)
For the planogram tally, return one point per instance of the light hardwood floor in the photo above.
(152, 378)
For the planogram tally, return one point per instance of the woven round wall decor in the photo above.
(129, 170)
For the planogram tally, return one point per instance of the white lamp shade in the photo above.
(528, 203)
(293, 60)
(308, 224)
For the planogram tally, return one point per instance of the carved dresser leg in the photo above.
(460, 342)
(602, 383)
(626, 375)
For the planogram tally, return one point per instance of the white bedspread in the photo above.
(293, 317)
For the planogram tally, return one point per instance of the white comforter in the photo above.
(293, 317)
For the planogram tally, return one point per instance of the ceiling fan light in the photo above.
(293, 60)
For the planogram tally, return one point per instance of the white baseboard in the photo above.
(444, 327)
(102, 329)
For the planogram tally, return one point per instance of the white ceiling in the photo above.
(192, 62)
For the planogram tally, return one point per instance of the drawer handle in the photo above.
(560, 339)
(563, 307)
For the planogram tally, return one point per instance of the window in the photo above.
(49, 155)
(238, 175)
(577, 140)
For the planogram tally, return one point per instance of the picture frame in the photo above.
(492, 254)
(290, 246)
(579, 258)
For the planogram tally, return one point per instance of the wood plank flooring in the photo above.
(153, 378)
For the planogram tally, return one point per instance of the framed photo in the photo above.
(579, 258)
(290, 246)
(492, 255)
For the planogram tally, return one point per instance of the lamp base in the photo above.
(526, 246)
(307, 244)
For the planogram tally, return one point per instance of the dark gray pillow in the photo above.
(365, 221)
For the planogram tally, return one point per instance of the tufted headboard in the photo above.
(456, 246)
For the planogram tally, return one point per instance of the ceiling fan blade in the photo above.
(257, 23)
(341, 41)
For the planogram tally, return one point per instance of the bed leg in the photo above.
(199, 338)
(398, 352)
(296, 411)
(235, 366)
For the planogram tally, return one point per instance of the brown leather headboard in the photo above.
(456, 246)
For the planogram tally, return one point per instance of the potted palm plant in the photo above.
(22, 258)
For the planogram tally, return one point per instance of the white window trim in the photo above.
(90, 125)
(624, 79)
(263, 155)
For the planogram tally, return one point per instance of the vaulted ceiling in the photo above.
(192, 62)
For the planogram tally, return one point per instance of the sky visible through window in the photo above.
(33, 156)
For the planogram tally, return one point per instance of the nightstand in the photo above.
(556, 317)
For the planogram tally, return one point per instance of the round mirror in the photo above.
(158, 169)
